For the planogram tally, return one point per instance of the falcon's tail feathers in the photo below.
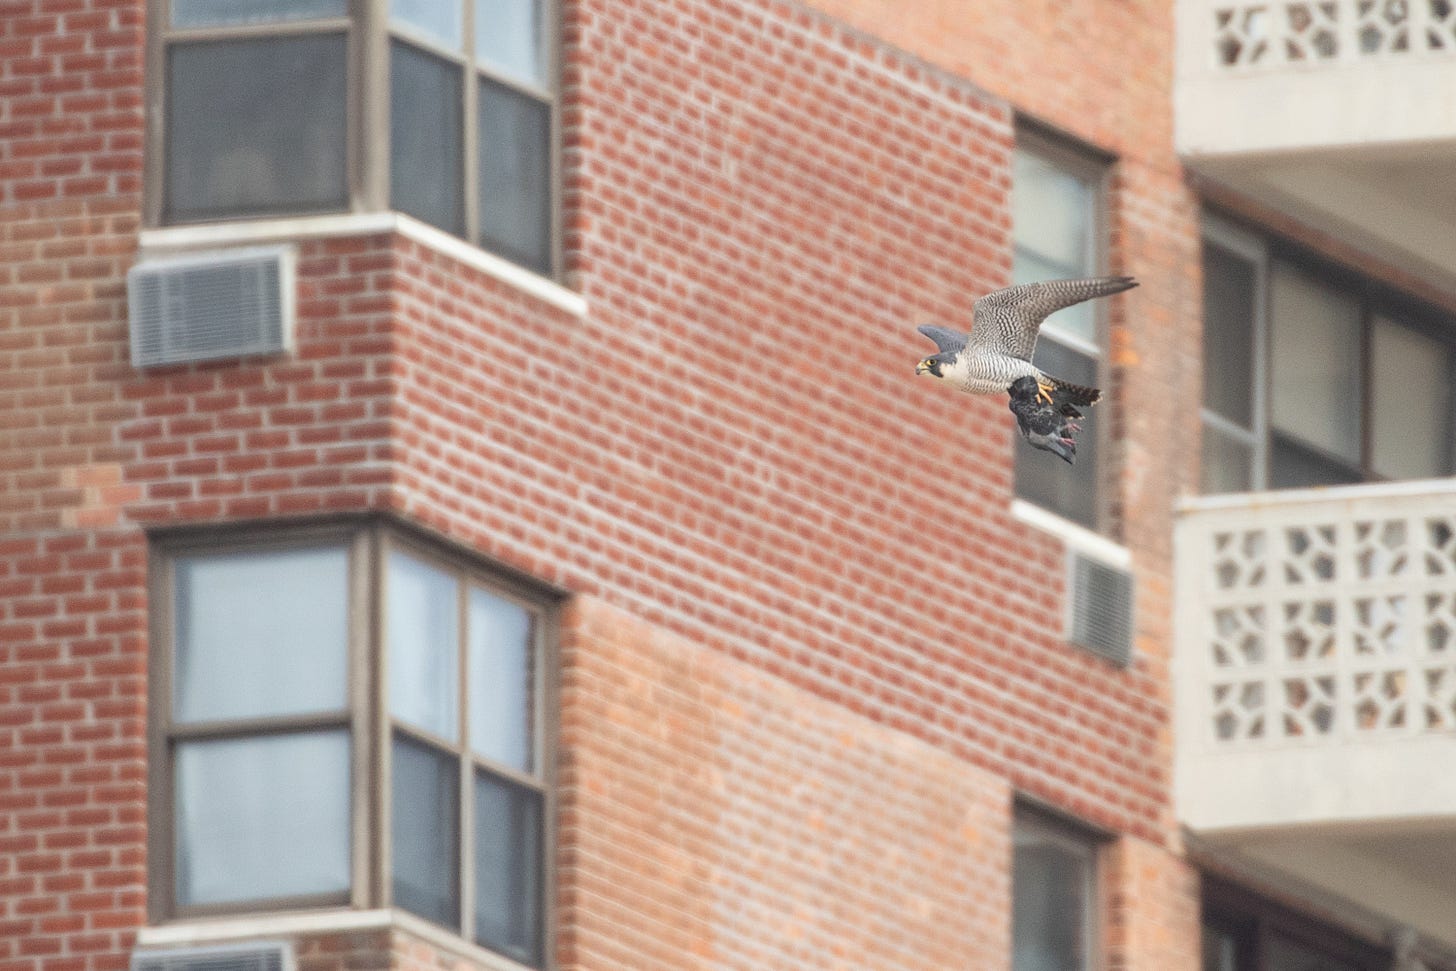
(1068, 394)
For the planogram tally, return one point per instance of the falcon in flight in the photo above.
(998, 349)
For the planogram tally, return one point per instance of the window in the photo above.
(273, 108)
(1244, 932)
(1054, 903)
(1313, 377)
(1057, 202)
(265, 732)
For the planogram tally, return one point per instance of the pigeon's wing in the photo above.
(946, 340)
(1008, 321)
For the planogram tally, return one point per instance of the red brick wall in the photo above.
(728, 457)
(720, 818)
(72, 750)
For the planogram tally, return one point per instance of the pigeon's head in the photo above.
(1024, 387)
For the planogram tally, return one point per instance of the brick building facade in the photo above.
(797, 689)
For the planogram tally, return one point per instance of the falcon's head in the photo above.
(932, 365)
(949, 343)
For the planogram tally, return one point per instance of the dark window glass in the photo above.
(1314, 394)
(426, 831)
(1294, 465)
(1283, 954)
(426, 167)
(507, 868)
(515, 175)
(255, 127)
(1221, 949)
(1041, 477)
(1051, 885)
(1228, 335)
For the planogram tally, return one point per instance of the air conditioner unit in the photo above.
(246, 956)
(204, 306)
(1100, 607)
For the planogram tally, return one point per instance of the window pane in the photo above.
(508, 868)
(1051, 898)
(261, 634)
(1220, 950)
(509, 38)
(1228, 464)
(1228, 335)
(424, 646)
(1315, 385)
(1053, 225)
(515, 176)
(1283, 954)
(1041, 477)
(255, 127)
(426, 167)
(440, 20)
(229, 13)
(1293, 465)
(1410, 390)
(426, 831)
(262, 818)
(502, 680)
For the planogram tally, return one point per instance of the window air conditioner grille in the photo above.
(229, 303)
(1101, 608)
(250, 956)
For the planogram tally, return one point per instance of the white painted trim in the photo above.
(1365, 491)
(218, 930)
(503, 270)
(169, 241)
(1081, 538)
(212, 930)
(173, 238)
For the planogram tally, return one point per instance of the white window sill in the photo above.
(171, 239)
(224, 930)
(1080, 538)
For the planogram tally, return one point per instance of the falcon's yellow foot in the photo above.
(1044, 392)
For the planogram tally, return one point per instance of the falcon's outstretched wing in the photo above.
(1008, 321)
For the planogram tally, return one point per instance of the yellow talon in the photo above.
(1044, 392)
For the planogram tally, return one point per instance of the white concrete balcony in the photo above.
(1338, 112)
(1315, 683)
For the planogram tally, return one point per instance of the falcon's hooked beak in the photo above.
(926, 365)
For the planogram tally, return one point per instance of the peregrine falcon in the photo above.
(996, 357)
(998, 350)
(1048, 427)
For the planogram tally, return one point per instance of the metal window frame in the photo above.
(1263, 251)
(1254, 251)
(466, 578)
(1095, 169)
(367, 540)
(164, 734)
(368, 33)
